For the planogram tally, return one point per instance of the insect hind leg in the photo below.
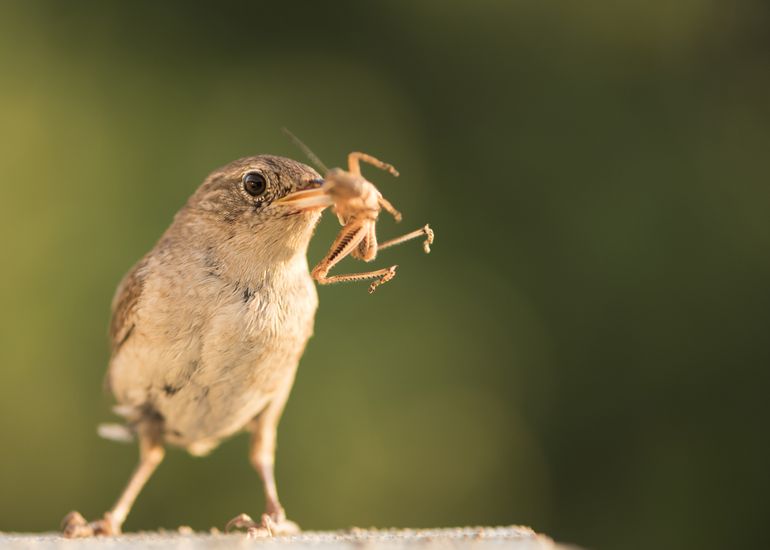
(347, 242)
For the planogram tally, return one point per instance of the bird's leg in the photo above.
(354, 166)
(150, 456)
(262, 456)
(427, 231)
(349, 238)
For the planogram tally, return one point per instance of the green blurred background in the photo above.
(586, 349)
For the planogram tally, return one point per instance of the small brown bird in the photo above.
(208, 328)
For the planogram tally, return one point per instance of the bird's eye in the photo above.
(254, 183)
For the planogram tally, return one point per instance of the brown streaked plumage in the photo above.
(208, 328)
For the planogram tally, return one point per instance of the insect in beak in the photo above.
(308, 198)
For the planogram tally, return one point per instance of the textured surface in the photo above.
(514, 537)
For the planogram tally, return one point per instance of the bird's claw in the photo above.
(267, 528)
(75, 526)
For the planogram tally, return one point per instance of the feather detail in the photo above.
(115, 432)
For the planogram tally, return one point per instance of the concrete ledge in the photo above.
(477, 538)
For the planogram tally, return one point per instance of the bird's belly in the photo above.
(218, 377)
(222, 396)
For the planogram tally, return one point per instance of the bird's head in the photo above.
(260, 203)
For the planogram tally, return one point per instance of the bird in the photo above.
(208, 328)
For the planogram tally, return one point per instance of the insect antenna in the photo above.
(305, 149)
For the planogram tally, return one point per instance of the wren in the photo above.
(208, 328)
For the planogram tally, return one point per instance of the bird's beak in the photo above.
(309, 198)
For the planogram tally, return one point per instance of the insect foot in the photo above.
(429, 235)
(384, 279)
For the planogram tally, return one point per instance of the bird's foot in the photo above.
(75, 526)
(270, 526)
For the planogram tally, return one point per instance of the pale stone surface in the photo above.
(476, 538)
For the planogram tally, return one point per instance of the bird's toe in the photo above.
(75, 526)
(269, 526)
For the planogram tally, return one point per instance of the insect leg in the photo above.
(350, 237)
(346, 242)
(383, 275)
(367, 248)
(355, 157)
(427, 231)
(385, 204)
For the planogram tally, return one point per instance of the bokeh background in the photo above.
(586, 350)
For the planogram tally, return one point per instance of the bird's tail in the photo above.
(121, 433)
(115, 432)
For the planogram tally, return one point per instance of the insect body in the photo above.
(357, 204)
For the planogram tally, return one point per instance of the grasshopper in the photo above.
(357, 204)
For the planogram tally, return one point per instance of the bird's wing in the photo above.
(124, 305)
(123, 318)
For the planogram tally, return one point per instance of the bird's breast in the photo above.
(209, 357)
